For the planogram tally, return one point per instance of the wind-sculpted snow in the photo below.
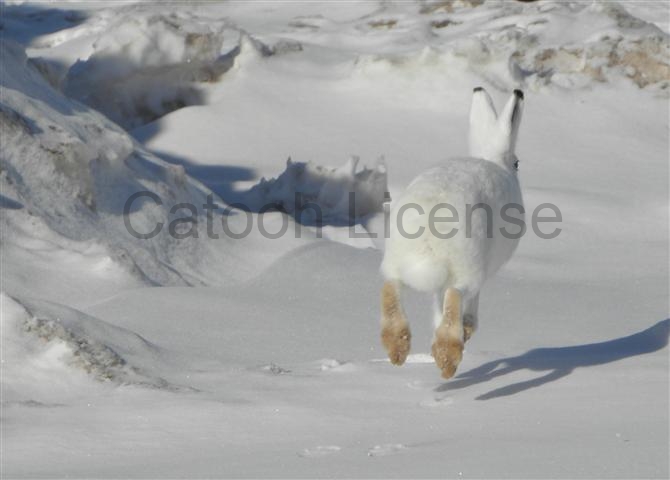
(146, 64)
(46, 339)
(341, 195)
(73, 170)
(554, 44)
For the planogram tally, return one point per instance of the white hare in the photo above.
(446, 236)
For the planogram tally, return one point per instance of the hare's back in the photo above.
(462, 181)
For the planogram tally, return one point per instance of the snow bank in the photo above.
(303, 186)
(147, 64)
(70, 172)
(48, 346)
(560, 44)
(621, 46)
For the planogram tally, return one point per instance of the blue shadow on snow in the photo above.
(561, 361)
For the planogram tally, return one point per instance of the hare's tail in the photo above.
(417, 271)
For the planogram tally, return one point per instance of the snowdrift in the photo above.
(70, 172)
(49, 347)
(308, 191)
(146, 64)
(541, 44)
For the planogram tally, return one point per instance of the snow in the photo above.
(139, 50)
(341, 194)
(258, 357)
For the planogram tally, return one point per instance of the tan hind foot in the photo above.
(395, 335)
(448, 345)
(396, 341)
(447, 352)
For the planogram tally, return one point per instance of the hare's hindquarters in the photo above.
(420, 254)
(412, 254)
(408, 260)
(445, 239)
(435, 241)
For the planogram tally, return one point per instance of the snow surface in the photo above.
(260, 357)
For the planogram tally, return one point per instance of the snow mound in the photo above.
(145, 65)
(69, 174)
(623, 47)
(71, 171)
(510, 44)
(305, 189)
(42, 340)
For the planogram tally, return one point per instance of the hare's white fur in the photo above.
(488, 177)
(429, 263)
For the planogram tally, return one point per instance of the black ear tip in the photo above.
(478, 89)
(518, 94)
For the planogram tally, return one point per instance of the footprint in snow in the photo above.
(386, 449)
(437, 402)
(319, 451)
(423, 385)
(275, 369)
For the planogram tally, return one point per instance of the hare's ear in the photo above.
(483, 123)
(508, 123)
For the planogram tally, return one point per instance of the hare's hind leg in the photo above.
(470, 319)
(448, 344)
(395, 329)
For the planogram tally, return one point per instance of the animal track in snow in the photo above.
(423, 385)
(437, 402)
(386, 449)
(319, 451)
(275, 369)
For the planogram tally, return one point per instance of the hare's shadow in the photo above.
(561, 361)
